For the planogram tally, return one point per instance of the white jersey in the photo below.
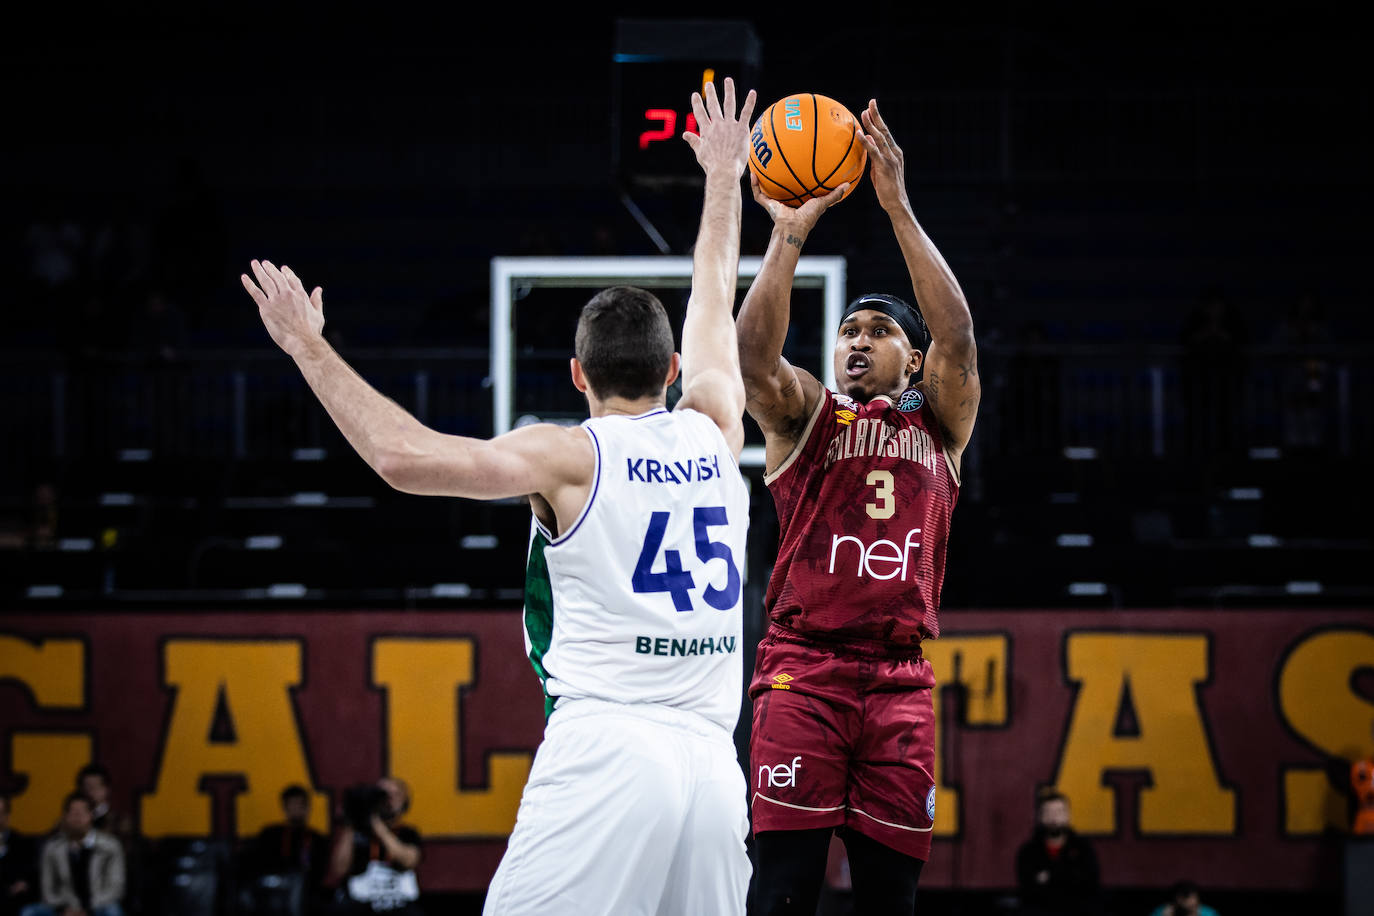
(639, 600)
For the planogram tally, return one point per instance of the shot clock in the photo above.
(658, 65)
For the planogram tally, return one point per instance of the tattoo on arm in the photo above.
(932, 387)
(933, 383)
(794, 240)
(965, 370)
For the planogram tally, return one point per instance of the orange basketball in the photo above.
(806, 146)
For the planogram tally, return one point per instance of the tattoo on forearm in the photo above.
(932, 387)
(969, 407)
(966, 370)
(794, 240)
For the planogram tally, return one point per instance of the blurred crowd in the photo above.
(94, 863)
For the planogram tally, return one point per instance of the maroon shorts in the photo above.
(843, 736)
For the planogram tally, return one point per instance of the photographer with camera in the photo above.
(372, 865)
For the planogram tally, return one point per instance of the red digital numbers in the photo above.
(666, 119)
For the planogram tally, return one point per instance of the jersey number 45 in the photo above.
(677, 581)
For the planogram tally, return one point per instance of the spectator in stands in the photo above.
(372, 865)
(1056, 869)
(1184, 900)
(82, 868)
(18, 866)
(1213, 374)
(93, 781)
(287, 860)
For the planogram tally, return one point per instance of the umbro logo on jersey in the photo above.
(780, 681)
(845, 416)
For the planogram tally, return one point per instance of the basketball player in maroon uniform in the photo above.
(864, 480)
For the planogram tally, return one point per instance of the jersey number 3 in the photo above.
(885, 505)
(677, 581)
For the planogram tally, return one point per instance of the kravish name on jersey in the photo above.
(693, 470)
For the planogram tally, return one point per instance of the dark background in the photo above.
(1096, 179)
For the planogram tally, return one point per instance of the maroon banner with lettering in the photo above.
(1185, 740)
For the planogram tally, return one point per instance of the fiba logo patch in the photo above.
(911, 400)
(930, 804)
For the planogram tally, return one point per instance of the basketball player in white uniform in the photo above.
(635, 802)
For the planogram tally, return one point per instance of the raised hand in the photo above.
(885, 163)
(294, 319)
(722, 143)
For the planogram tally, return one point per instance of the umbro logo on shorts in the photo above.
(780, 681)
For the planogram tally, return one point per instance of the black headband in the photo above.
(907, 318)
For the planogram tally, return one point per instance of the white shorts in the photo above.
(628, 809)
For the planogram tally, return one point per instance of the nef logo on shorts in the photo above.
(782, 776)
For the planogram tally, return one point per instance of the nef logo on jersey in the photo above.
(882, 559)
(782, 776)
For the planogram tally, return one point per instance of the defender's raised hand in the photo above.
(722, 143)
(293, 318)
(885, 163)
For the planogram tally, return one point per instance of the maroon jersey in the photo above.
(864, 507)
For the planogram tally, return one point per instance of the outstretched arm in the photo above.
(951, 381)
(710, 362)
(780, 396)
(553, 461)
